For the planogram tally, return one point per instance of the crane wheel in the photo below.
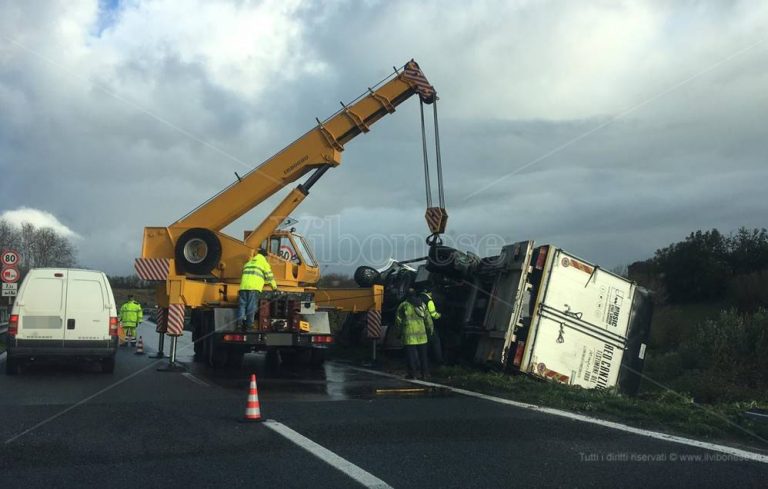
(198, 251)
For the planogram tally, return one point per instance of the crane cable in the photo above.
(427, 183)
(441, 196)
(434, 239)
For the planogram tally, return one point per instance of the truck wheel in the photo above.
(317, 358)
(108, 365)
(235, 360)
(11, 366)
(197, 343)
(198, 251)
(217, 357)
(367, 276)
(274, 358)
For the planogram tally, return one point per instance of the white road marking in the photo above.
(736, 452)
(194, 379)
(365, 478)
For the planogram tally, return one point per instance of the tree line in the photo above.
(38, 247)
(709, 266)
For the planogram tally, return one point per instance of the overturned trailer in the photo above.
(535, 310)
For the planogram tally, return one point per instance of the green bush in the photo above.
(733, 347)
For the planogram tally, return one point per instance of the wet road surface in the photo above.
(71, 426)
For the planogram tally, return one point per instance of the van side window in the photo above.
(85, 295)
(44, 293)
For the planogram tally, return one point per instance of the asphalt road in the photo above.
(68, 425)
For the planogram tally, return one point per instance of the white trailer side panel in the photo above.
(578, 332)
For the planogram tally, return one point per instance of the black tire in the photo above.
(235, 360)
(317, 358)
(11, 366)
(218, 357)
(197, 326)
(201, 259)
(404, 282)
(108, 365)
(367, 276)
(274, 358)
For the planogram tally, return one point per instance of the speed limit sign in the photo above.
(10, 258)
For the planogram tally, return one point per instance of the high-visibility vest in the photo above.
(414, 323)
(131, 314)
(257, 272)
(430, 305)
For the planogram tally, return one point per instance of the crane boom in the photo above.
(200, 266)
(318, 148)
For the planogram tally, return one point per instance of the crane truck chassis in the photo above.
(197, 266)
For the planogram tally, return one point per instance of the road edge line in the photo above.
(339, 463)
(737, 452)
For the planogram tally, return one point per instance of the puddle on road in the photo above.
(331, 382)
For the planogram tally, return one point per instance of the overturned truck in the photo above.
(534, 310)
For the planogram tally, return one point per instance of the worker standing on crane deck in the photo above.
(414, 323)
(256, 272)
(131, 316)
(434, 338)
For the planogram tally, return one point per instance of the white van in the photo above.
(63, 313)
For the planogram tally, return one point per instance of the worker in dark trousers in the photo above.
(256, 273)
(414, 324)
(131, 315)
(435, 347)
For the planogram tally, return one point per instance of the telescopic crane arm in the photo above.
(319, 149)
(201, 265)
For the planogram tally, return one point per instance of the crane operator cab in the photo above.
(292, 260)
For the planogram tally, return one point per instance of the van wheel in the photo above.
(108, 365)
(11, 366)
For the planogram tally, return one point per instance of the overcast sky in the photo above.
(607, 128)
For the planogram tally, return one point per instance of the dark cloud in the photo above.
(608, 130)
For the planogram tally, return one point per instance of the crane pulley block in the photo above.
(437, 218)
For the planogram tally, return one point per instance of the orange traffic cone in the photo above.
(252, 409)
(140, 346)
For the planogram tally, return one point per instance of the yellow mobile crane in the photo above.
(201, 266)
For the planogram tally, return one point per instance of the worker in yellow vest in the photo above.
(131, 316)
(414, 324)
(435, 346)
(256, 272)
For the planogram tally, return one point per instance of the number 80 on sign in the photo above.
(9, 258)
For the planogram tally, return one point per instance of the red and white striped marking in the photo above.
(415, 77)
(570, 262)
(437, 218)
(542, 371)
(152, 268)
(175, 320)
(373, 326)
(161, 320)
